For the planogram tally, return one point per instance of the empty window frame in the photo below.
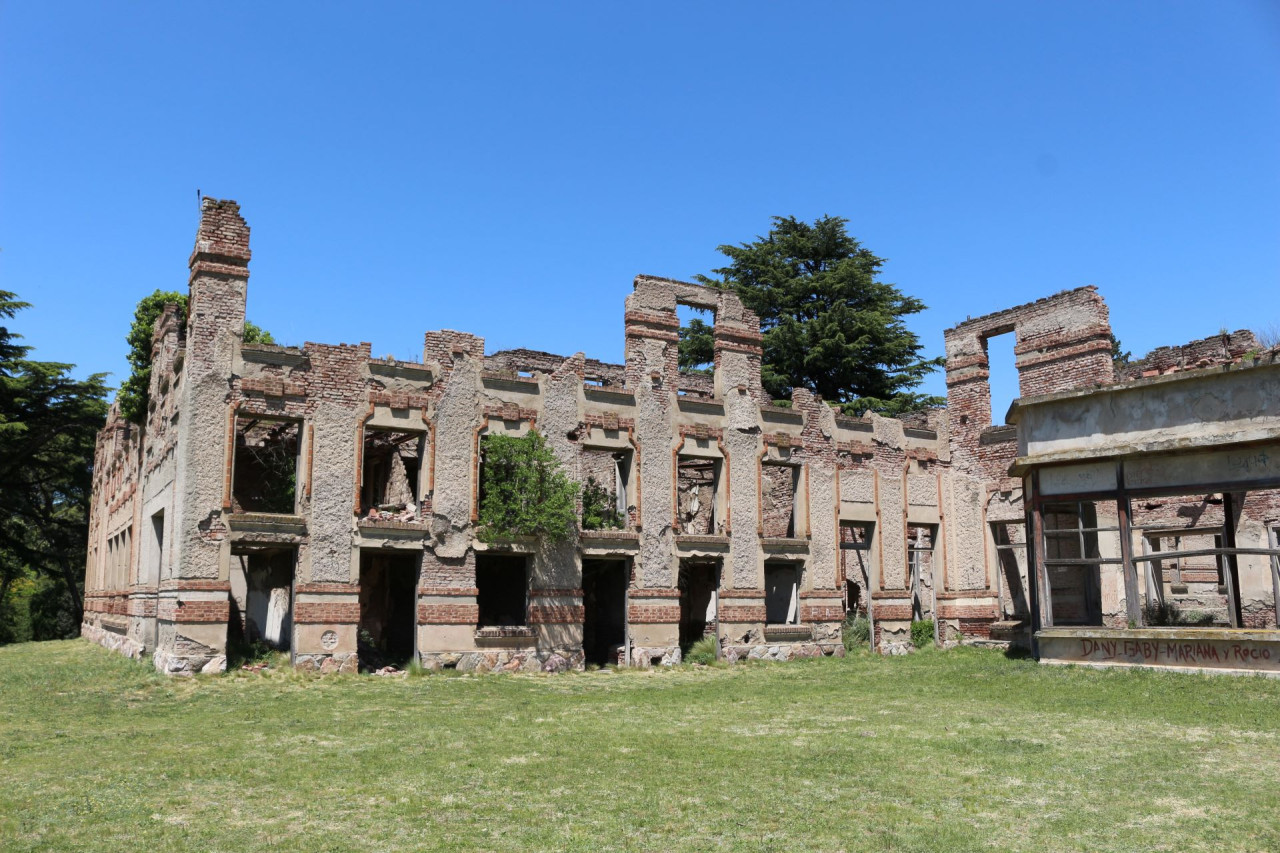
(697, 490)
(855, 562)
(1073, 559)
(781, 593)
(390, 474)
(697, 353)
(1010, 539)
(502, 590)
(1003, 379)
(779, 484)
(1184, 577)
(920, 541)
(265, 473)
(1177, 571)
(606, 494)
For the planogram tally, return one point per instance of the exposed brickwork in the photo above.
(742, 613)
(814, 613)
(171, 610)
(448, 614)
(337, 612)
(653, 614)
(1227, 348)
(556, 614)
(1061, 342)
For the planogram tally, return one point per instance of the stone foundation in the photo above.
(111, 640)
(173, 664)
(781, 651)
(505, 660)
(348, 664)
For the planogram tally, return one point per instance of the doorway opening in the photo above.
(604, 599)
(262, 596)
(698, 583)
(388, 594)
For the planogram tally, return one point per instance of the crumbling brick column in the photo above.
(193, 604)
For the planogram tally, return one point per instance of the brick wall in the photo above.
(1062, 342)
(1206, 352)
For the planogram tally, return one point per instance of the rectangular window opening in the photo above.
(855, 563)
(697, 492)
(920, 569)
(502, 583)
(1003, 374)
(699, 584)
(1011, 554)
(604, 602)
(1080, 539)
(390, 474)
(778, 500)
(606, 496)
(1182, 573)
(697, 339)
(156, 568)
(265, 472)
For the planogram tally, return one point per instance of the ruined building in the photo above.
(323, 501)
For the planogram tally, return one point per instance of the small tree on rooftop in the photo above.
(523, 490)
(134, 395)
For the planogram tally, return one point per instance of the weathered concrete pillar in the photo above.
(652, 361)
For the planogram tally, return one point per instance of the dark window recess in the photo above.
(1011, 552)
(1073, 561)
(157, 531)
(265, 476)
(781, 593)
(501, 583)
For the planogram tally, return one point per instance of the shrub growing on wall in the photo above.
(600, 508)
(523, 490)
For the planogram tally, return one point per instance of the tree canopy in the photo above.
(49, 422)
(134, 395)
(830, 324)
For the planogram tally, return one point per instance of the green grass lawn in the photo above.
(959, 750)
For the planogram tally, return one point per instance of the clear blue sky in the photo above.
(507, 169)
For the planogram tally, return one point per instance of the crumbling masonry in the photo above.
(320, 500)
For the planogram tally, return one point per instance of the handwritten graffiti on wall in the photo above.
(1176, 652)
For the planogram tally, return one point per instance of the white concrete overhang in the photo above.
(1218, 408)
